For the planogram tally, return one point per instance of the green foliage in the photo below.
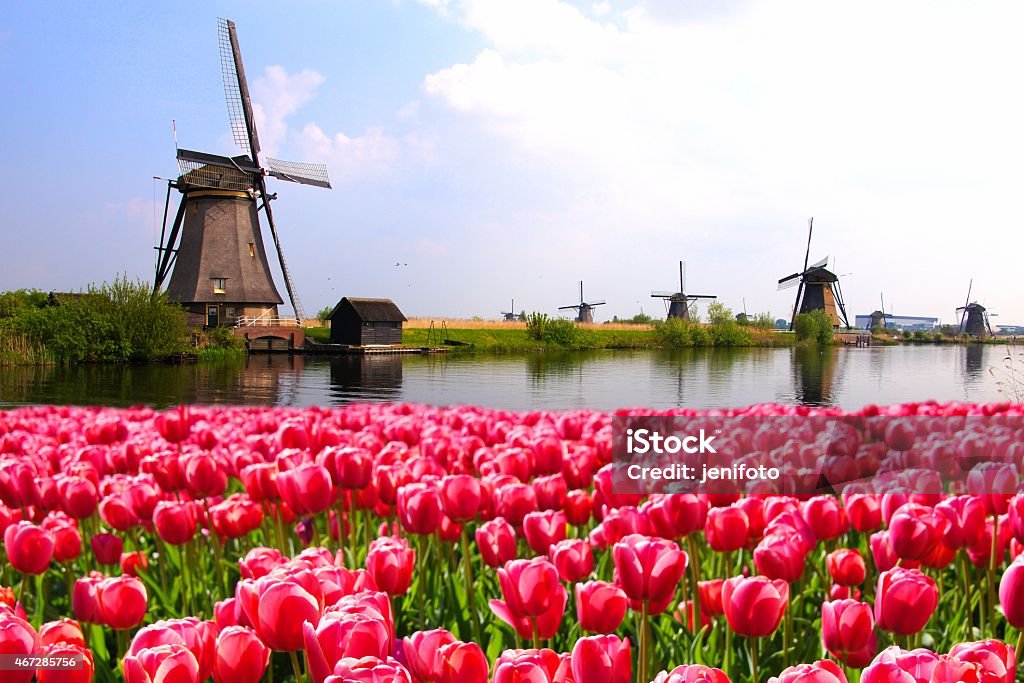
(536, 323)
(555, 331)
(814, 327)
(113, 322)
(640, 319)
(222, 338)
(719, 313)
(677, 333)
(323, 313)
(762, 321)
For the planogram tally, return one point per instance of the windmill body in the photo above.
(510, 315)
(974, 321)
(214, 259)
(817, 289)
(680, 303)
(584, 310)
(819, 285)
(221, 270)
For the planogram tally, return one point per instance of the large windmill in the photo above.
(680, 303)
(584, 310)
(974, 317)
(817, 288)
(220, 267)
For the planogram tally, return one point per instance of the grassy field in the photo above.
(492, 336)
(478, 324)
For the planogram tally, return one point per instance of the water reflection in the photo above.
(379, 375)
(814, 374)
(697, 378)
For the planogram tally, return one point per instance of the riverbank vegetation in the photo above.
(114, 322)
(541, 332)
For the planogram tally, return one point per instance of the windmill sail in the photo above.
(236, 90)
(297, 172)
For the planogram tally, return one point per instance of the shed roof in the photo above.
(383, 310)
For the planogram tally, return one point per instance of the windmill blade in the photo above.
(701, 296)
(297, 172)
(818, 264)
(810, 231)
(293, 296)
(796, 304)
(565, 308)
(790, 281)
(661, 294)
(602, 302)
(236, 90)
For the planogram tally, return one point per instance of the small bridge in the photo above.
(264, 334)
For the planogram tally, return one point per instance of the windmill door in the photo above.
(211, 316)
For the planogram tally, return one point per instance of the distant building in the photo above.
(366, 322)
(899, 322)
(1010, 329)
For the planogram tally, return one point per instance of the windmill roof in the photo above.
(820, 274)
(384, 310)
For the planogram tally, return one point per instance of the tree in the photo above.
(719, 313)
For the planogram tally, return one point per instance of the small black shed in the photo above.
(362, 322)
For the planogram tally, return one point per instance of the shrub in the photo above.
(113, 322)
(719, 313)
(556, 331)
(536, 323)
(677, 333)
(815, 327)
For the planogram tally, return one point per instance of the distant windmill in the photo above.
(511, 313)
(680, 303)
(974, 318)
(584, 310)
(220, 266)
(879, 317)
(817, 288)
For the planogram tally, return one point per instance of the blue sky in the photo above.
(509, 149)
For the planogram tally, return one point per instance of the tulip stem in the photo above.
(161, 560)
(421, 568)
(969, 611)
(695, 583)
(342, 536)
(295, 666)
(470, 587)
(37, 619)
(787, 631)
(992, 576)
(727, 655)
(642, 641)
(1020, 646)
(753, 659)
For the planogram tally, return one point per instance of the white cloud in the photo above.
(277, 95)
(721, 130)
(371, 153)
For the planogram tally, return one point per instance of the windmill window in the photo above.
(252, 249)
(219, 283)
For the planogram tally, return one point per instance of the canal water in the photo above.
(701, 378)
